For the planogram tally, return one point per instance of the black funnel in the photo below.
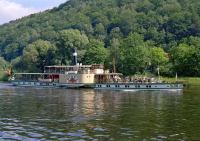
(74, 55)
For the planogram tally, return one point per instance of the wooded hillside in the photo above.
(141, 35)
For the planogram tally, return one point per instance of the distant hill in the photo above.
(164, 23)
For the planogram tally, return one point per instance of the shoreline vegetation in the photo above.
(3, 76)
(188, 81)
(137, 36)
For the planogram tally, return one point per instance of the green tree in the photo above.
(4, 67)
(114, 54)
(192, 41)
(38, 54)
(3, 63)
(95, 53)
(18, 64)
(159, 59)
(134, 54)
(99, 31)
(69, 39)
(12, 51)
(186, 60)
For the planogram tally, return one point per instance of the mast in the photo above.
(158, 69)
(114, 65)
(114, 47)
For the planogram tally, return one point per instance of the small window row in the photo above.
(99, 86)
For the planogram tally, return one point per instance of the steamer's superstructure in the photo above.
(68, 76)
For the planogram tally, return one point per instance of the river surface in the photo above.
(31, 114)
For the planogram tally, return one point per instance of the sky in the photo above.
(14, 9)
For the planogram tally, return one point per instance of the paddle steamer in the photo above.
(87, 76)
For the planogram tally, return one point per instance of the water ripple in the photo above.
(59, 114)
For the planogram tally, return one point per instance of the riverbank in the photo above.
(185, 80)
(3, 77)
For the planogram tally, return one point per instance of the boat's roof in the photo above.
(35, 73)
(110, 74)
(80, 66)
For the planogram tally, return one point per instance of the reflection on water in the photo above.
(65, 114)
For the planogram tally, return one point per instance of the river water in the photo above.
(62, 114)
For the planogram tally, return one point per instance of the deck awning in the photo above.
(36, 74)
(109, 74)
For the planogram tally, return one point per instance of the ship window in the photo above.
(147, 86)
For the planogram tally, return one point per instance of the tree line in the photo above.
(137, 36)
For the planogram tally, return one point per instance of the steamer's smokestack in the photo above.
(74, 60)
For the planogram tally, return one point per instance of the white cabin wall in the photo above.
(81, 78)
(86, 78)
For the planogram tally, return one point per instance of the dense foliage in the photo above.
(141, 35)
(4, 69)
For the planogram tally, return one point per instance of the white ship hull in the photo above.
(107, 86)
(51, 84)
(140, 86)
